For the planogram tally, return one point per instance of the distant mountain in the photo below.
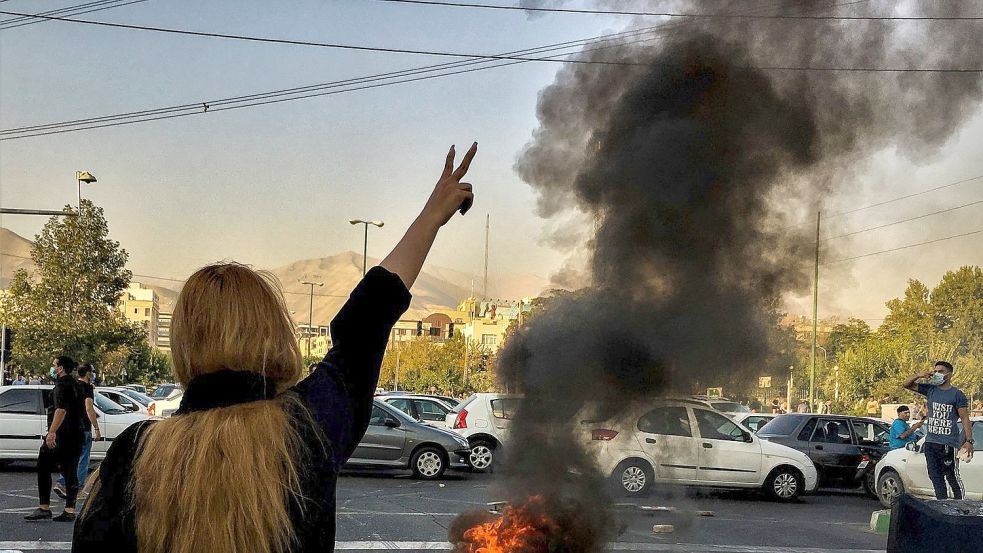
(16, 255)
(437, 288)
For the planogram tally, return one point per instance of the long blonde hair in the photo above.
(221, 480)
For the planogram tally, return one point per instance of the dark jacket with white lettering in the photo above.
(338, 398)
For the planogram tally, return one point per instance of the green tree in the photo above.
(425, 364)
(68, 306)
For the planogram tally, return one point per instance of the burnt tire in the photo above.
(784, 484)
(633, 478)
(428, 463)
(889, 488)
(481, 458)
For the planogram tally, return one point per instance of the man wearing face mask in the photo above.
(947, 405)
(63, 444)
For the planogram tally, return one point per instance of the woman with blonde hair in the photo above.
(249, 462)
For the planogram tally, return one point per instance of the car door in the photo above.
(915, 472)
(383, 443)
(430, 412)
(971, 473)
(666, 436)
(832, 449)
(22, 422)
(726, 456)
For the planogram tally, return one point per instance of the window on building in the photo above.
(435, 331)
(146, 311)
(489, 339)
(136, 310)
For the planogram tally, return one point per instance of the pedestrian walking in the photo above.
(63, 443)
(873, 407)
(34, 379)
(803, 407)
(901, 433)
(947, 405)
(249, 462)
(20, 380)
(90, 422)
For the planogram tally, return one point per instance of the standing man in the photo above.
(63, 444)
(873, 407)
(947, 405)
(20, 380)
(90, 422)
(901, 433)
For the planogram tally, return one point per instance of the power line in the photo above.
(903, 247)
(686, 15)
(388, 50)
(905, 197)
(70, 10)
(902, 221)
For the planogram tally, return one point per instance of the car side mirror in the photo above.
(393, 423)
(747, 437)
(911, 446)
(133, 408)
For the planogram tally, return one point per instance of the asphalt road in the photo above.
(392, 511)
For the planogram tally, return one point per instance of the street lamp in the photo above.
(310, 314)
(87, 178)
(365, 244)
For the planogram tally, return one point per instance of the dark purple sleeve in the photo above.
(339, 392)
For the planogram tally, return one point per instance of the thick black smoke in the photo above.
(693, 164)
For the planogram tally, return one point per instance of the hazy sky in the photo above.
(273, 184)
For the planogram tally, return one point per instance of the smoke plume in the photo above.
(697, 164)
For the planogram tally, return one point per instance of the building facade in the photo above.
(141, 305)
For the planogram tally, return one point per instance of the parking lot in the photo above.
(392, 511)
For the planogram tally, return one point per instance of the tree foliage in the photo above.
(426, 365)
(68, 306)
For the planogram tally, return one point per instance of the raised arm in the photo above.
(910, 383)
(450, 195)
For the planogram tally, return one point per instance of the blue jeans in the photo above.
(83, 468)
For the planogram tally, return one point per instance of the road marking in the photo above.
(384, 545)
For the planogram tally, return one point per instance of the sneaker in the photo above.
(39, 514)
(60, 491)
(64, 517)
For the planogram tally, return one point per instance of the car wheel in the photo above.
(482, 456)
(633, 477)
(428, 463)
(889, 488)
(870, 486)
(784, 484)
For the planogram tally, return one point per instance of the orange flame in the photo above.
(522, 528)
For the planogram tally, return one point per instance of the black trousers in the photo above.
(943, 466)
(64, 459)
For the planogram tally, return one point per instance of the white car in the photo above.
(167, 399)
(131, 400)
(484, 420)
(683, 442)
(904, 471)
(24, 421)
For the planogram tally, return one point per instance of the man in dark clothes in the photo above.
(63, 444)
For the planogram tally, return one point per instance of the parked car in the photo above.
(24, 421)
(426, 409)
(166, 400)
(727, 406)
(394, 440)
(141, 398)
(754, 421)
(904, 471)
(136, 388)
(122, 397)
(684, 443)
(484, 420)
(845, 449)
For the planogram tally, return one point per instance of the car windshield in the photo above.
(729, 407)
(142, 399)
(163, 391)
(780, 426)
(107, 405)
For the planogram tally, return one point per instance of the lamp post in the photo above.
(825, 360)
(87, 178)
(365, 243)
(310, 314)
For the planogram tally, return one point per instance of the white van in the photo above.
(24, 421)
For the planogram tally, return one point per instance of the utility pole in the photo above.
(310, 314)
(365, 243)
(815, 322)
(484, 291)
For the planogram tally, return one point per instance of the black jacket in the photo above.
(338, 398)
